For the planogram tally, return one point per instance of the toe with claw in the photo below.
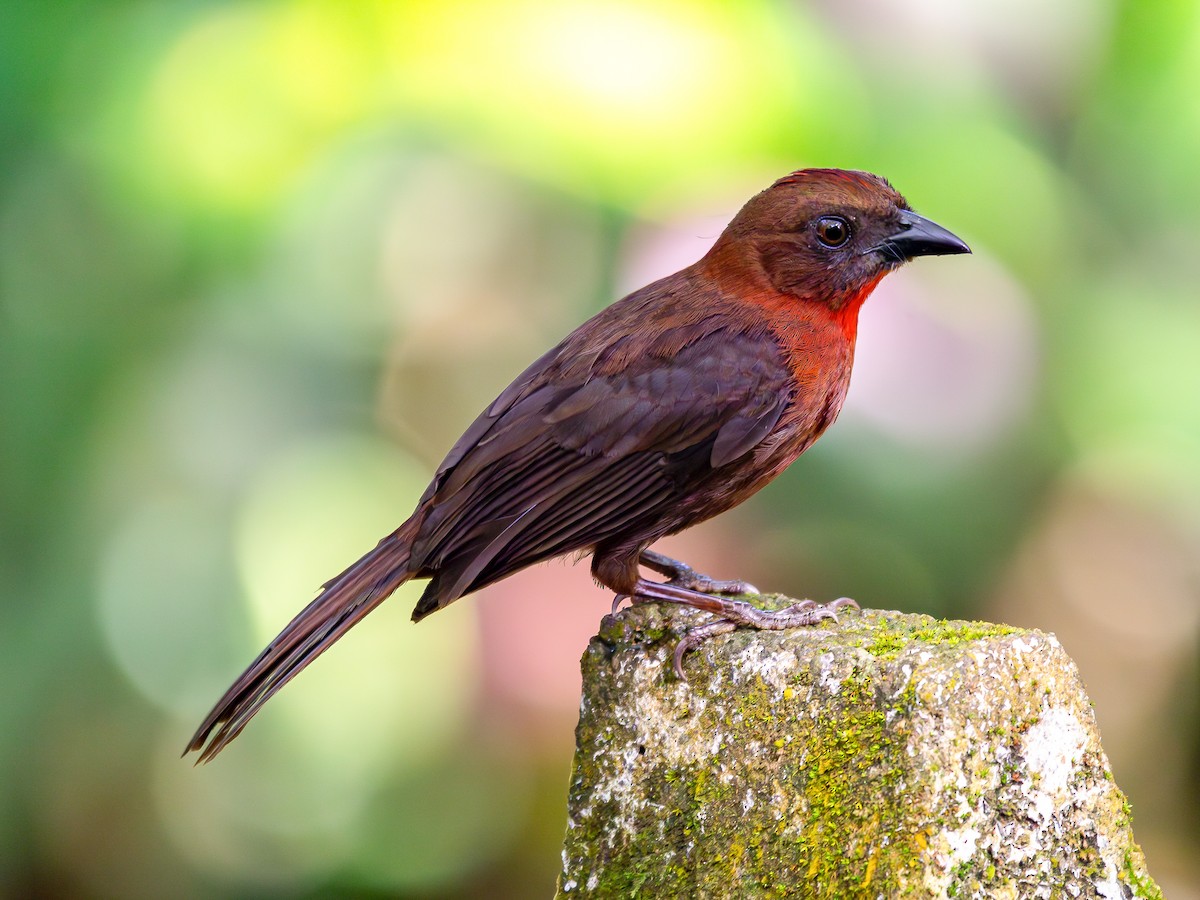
(684, 576)
(738, 613)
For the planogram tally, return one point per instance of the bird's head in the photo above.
(829, 235)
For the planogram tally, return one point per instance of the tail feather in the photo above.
(343, 602)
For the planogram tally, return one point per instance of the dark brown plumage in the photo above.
(665, 409)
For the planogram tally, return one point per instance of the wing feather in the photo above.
(579, 454)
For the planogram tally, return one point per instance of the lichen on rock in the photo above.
(887, 755)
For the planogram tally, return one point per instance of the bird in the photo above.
(666, 408)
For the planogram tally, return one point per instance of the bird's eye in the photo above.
(833, 231)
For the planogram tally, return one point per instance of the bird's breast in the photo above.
(820, 361)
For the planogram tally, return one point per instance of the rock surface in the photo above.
(888, 755)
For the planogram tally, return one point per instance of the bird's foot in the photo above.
(738, 613)
(684, 576)
(729, 614)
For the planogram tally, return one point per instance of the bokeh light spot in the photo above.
(247, 95)
(316, 509)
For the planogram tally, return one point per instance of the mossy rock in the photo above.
(886, 755)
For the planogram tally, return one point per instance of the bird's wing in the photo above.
(572, 457)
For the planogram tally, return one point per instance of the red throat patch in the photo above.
(847, 314)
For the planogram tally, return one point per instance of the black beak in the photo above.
(918, 236)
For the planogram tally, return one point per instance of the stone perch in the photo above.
(886, 756)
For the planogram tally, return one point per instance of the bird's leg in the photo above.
(732, 614)
(684, 576)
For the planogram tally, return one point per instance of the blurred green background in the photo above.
(260, 263)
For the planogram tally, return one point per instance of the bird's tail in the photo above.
(343, 602)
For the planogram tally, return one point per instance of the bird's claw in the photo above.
(702, 584)
(694, 637)
(740, 613)
(689, 578)
(682, 575)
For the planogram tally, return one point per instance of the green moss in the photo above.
(1136, 877)
(893, 634)
(851, 789)
(840, 811)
